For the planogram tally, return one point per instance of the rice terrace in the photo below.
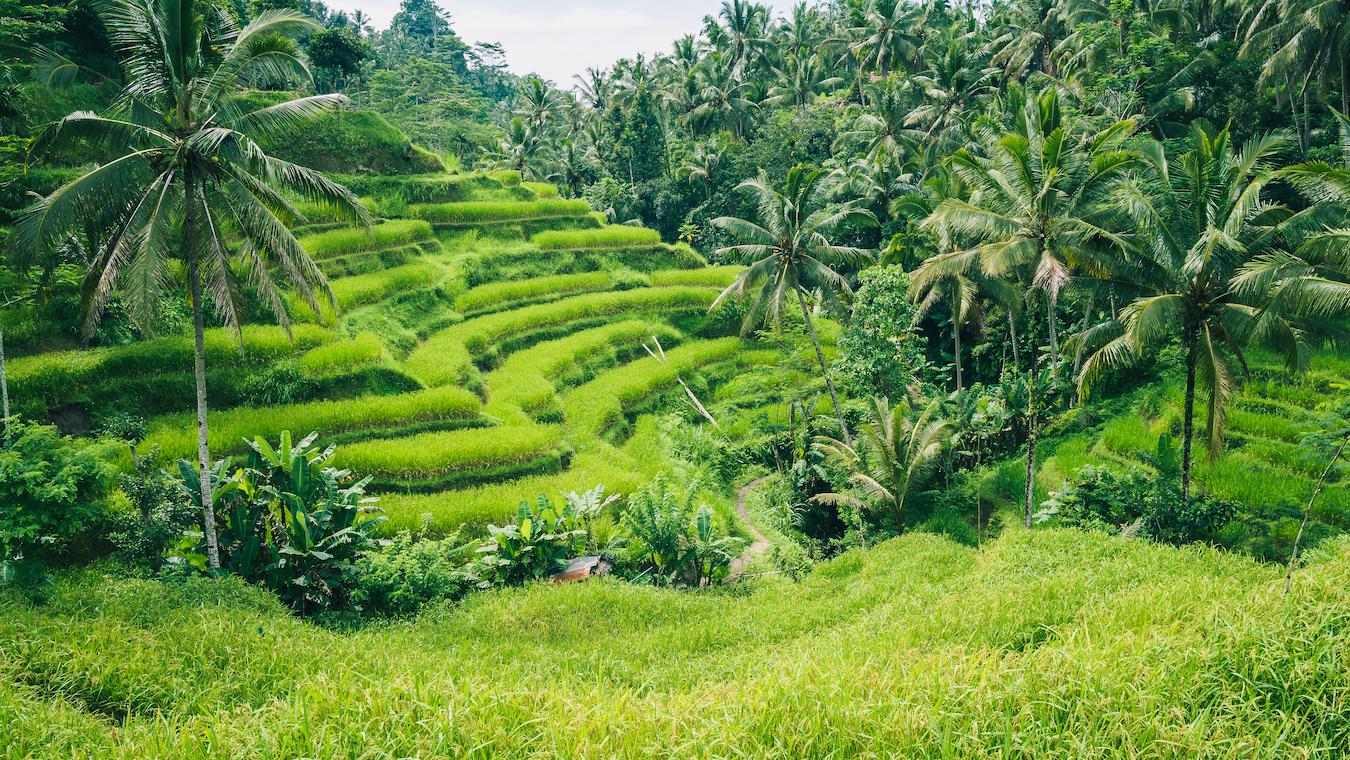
(848, 379)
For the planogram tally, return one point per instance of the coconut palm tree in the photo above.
(522, 148)
(897, 449)
(1221, 267)
(1303, 41)
(788, 253)
(596, 88)
(887, 37)
(1041, 204)
(184, 169)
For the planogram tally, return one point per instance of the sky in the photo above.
(559, 38)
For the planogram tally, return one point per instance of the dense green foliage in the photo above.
(994, 270)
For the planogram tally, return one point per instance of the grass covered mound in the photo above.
(1053, 644)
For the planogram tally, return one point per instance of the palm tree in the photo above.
(702, 167)
(800, 82)
(745, 24)
(723, 101)
(186, 169)
(788, 252)
(886, 39)
(538, 103)
(520, 148)
(1221, 267)
(1302, 41)
(1041, 204)
(897, 450)
(596, 88)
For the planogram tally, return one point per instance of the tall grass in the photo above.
(711, 277)
(1052, 644)
(53, 374)
(430, 455)
(613, 236)
(471, 510)
(444, 357)
(176, 435)
(480, 212)
(362, 350)
(526, 378)
(500, 294)
(541, 189)
(598, 404)
(354, 239)
(363, 289)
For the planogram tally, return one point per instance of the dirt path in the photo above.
(759, 544)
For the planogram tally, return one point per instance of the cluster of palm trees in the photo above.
(1209, 246)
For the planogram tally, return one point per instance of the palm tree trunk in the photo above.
(1012, 339)
(824, 369)
(1188, 420)
(199, 369)
(1053, 330)
(1087, 319)
(1030, 493)
(956, 340)
(4, 377)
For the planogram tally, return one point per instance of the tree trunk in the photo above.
(199, 369)
(4, 377)
(1188, 418)
(1012, 339)
(824, 369)
(1031, 453)
(956, 340)
(1053, 331)
(1087, 319)
(1293, 557)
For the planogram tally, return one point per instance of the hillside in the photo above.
(1049, 645)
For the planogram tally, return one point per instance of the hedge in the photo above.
(475, 212)
(176, 435)
(442, 357)
(613, 236)
(355, 239)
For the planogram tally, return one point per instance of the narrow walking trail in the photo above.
(758, 544)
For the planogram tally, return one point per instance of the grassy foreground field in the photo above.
(1045, 644)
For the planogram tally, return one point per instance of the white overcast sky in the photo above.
(559, 38)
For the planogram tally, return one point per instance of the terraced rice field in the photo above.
(463, 368)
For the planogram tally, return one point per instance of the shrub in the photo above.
(177, 435)
(280, 383)
(51, 489)
(287, 520)
(391, 234)
(880, 352)
(482, 212)
(542, 539)
(1100, 498)
(410, 573)
(504, 294)
(156, 516)
(613, 236)
(674, 539)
